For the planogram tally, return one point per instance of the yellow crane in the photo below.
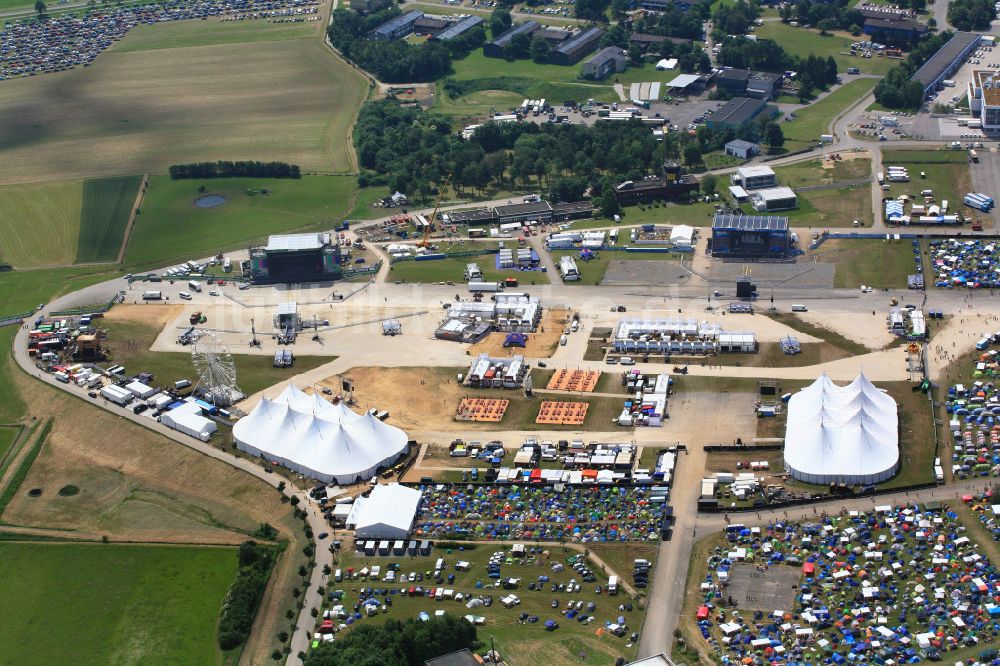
(426, 241)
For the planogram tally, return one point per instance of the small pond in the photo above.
(210, 201)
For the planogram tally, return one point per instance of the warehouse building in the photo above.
(603, 63)
(458, 28)
(533, 211)
(892, 32)
(737, 111)
(397, 27)
(573, 49)
(671, 185)
(984, 98)
(946, 61)
(573, 210)
(744, 150)
(429, 25)
(750, 236)
(774, 198)
(755, 177)
(494, 49)
(733, 81)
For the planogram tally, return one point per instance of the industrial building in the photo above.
(430, 25)
(743, 82)
(315, 438)
(573, 210)
(671, 185)
(842, 434)
(892, 32)
(605, 62)
(573, 49)
(312, 257)
(495, 48)
(737, 111)
(755, 177)
(486, 372)
(750, 236)
(387, 513)
(744, 150)
(946, 61)
(532, 211)
(773, 198)
(458, 28)
(399, 26)
(984, 98)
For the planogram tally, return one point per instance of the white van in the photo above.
(626, 360)
(338, 575)
(799, 308)
(185, 296)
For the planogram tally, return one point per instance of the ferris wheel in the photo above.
(216, 371)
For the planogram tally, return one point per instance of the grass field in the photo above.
(136, 111)
(815, 119)
(832, 208)
(113, 604)
(170, 226)
(182, 34)
(946, 171)
(802, 42)
(870, 262)
(813, 173)
(452, 270)
(593, 271)
(107, 204)
(40, 223)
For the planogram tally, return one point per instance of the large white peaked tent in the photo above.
(842, 434)
(313, 437)
(387, 513)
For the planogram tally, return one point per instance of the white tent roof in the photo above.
(845, 434)
(682, 233)
(391, 505)
(316, 438)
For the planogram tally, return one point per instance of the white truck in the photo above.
(491, 287)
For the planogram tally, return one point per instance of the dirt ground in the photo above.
(540, 345)
(160, 315)
(690, 415)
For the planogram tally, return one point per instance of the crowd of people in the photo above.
(585, 514)
(902, 583)
(53, 44)
(968, 263)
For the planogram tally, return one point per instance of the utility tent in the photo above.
(843, 434)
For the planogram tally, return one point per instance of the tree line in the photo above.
(409, 643)
(768, 56)
(971, 14)
(240, 169)
(240, 606)
(897, 90)
(392, 61)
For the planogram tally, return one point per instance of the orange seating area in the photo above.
(562, 413)
(488, 410)
(583, 381)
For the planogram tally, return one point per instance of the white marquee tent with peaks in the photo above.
(842, 434)
(318, 439)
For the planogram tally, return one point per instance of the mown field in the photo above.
(107, 204)
(104, 604)
(802, 42)
(171, 226)
(875, 263)
(182, 34)
(814, 119)
(40, 223)
(135, 111)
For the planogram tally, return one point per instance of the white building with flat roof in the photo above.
(755, 177)
(774, 198)
(984, 98)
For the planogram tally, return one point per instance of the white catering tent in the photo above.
(187, 418)
(682, 235)
(387, 513)
(321, 440)
(843, 434)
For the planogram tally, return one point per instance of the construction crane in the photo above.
(426, 241)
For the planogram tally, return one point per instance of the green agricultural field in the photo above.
(107, 204)
(140, 109)
(104, 604)
(180, 34)
(802, 42)
(130, 341)
(171, 226)
(40, 223)
(814, 119)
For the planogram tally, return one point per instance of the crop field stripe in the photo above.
(107, 204)
(39, 223)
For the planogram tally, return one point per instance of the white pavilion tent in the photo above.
(842, 434)
(318, 439)
(387, 513)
